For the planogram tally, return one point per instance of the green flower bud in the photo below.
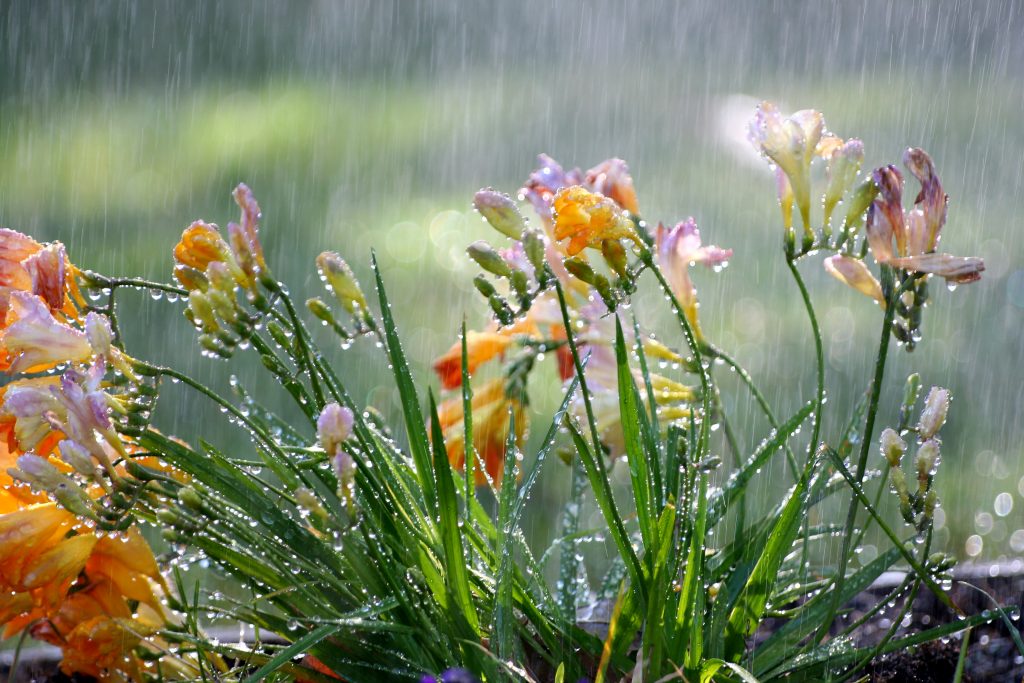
(190, 498)
(488, 259)
(580, 269)
(341, 281)
(484, 286)
(926, 462)
(500, 211)
(202, 311)
(319, 309)
(533, 246)
(615, 256)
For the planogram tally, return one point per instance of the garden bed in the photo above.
(992, 657)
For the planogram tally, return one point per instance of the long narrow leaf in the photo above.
(414, 425)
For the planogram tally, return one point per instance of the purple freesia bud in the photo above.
(334, 426)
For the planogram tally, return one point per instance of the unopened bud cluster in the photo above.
(523, 266)
(912, 482)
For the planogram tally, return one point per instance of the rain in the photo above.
(368, 126)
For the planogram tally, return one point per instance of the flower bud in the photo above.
(484, 286)
(334, 426)
(934, 414)
(580, 269)
(340, 280)
(911, 391)
(926, 461)
(202, 312)
(501, 309)
(190, 278)
(77, 457)
(97, 331)
(899, 485)
(488, 259)
(500, 211)
(533, 245)
(615, 257)
(190, 498)
(892, 446)
(309, 503)
(319, 309)
(223, 305)
(931, 501)
(277, 333)
(37, 471)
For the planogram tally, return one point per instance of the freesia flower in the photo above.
(611, 178)
(854, 273)
(480, 348)
(916, 232)
(34, 340)
(490, 408)
(791, 143)
(545, 182)
(43, 270)
(588, 218)
(680, 248)
(906, 239)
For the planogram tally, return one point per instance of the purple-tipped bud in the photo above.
(934, 414)
(334, 426)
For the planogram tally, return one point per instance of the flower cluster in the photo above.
(918, 505)
(62, 479)
(213, 270)
(597, 210)
(901, 239)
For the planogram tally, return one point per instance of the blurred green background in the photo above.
(366, 125)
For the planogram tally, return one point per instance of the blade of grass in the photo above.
(298, 647)
(636, 458)
(503, 625)
(415, 429)
(451, 538)
(750, 607)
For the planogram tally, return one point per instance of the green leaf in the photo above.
(503, 638)
(784, 640)
(712, 666)
(414, 425)
(451, 538)
(636, 458)
(285, 655)
(750, 607)
(690, 612)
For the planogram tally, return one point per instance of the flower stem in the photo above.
(819, 356)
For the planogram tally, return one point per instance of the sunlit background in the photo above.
(369, 125)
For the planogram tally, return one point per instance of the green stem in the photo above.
(698, 359)
(866, 439)
(819, 355)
